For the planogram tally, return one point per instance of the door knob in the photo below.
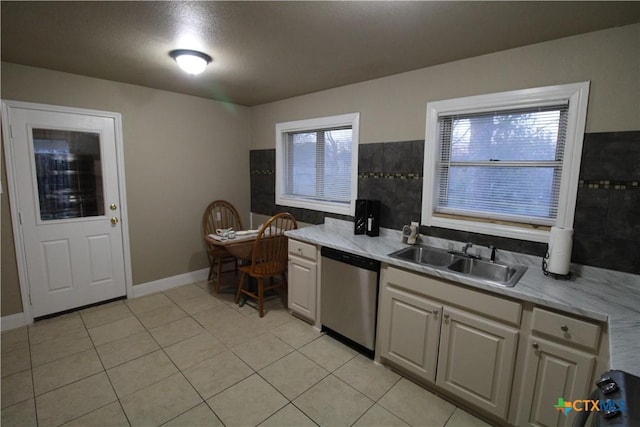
(114, 220)
(113, 206)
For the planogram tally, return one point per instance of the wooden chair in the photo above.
(219, 214)
(268, 259)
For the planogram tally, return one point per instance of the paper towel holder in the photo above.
(556, 276)
(557, 260)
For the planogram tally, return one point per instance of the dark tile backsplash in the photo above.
(607, 218)
(392, 173)
(607, 214)
(612, 156)
(262, 164)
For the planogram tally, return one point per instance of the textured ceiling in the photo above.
(266, 51)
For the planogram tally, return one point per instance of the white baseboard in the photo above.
(169, 282)
(17, 320)
(12, 321)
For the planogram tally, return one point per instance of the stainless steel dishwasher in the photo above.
(349, 298)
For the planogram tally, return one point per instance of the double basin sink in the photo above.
(493, 272)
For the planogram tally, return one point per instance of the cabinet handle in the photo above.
(446, 315)
(435, 313)
(564, 328)
(535, 345)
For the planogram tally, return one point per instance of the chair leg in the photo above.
(261, 296)
(219, 275)
(284, 290)
(211, 266)
(240, 286)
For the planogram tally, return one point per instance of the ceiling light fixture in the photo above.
(191, 61)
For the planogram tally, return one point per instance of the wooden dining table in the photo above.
(240, 247)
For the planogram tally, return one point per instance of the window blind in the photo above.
(502, 165)
(318, 164)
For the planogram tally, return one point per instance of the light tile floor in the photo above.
(189, 357)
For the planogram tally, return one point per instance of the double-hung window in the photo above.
(505, 164)
(316, 163)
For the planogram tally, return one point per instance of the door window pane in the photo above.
(69, 173)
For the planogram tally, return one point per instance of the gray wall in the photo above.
(394, 108)
(392, 127)
(176, 152)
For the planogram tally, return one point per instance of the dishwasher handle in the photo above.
(351, 259)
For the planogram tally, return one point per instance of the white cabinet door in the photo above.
(302, 287)
(552, 371)
(409, 331)
(477, 358)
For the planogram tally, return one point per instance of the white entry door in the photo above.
(65, 173)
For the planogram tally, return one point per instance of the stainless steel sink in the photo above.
(507, 275)
(498, 273)
(425, 255)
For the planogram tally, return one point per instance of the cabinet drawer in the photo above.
(565, 328)
(301, 249)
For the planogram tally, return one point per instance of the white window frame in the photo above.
(576, 94)
(282, 129)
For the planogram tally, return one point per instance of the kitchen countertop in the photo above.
(599, 294)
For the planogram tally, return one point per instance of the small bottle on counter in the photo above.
(373, 218)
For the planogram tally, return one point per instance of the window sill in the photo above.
(336, 208)
(492, 229)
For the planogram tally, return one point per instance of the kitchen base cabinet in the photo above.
(476, 360)
(302, 280)
(417, 350)
(560, 357)
(553, 371)
(461, 340)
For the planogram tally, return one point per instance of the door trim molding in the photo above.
(15, 201)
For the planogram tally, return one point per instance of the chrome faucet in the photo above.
(464, 251)
(466, 247)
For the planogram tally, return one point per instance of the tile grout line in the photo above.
(176, 301)
(203, 400)
(33, 383)
(257, 372)
(109, 378)
(104, 370)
